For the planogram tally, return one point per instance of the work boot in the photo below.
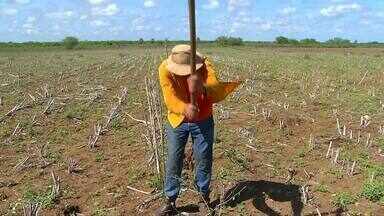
(167, 209)
(204, 205)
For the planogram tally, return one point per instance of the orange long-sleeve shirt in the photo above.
(176, 94)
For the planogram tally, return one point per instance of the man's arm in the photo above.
(172, 102)
(217, 91)
(211, 76)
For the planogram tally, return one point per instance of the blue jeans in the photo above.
(202, 136)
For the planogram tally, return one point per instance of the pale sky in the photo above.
(52, 20)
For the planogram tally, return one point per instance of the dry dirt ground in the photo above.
(272, 135)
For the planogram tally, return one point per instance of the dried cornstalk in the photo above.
(255, 110)
(362, 79)
(291, 175)
(338, 126)
(146, 202)
(73, 166)
(95, 136)
(101, 129)
(45, 91)
(311, 141)
(56, 186)
(37, 159)
(50, 103)
(358, 137)
(365, 121)
(44, 163)
(138, 120)
(22, 164)
(15, 132)
(222, 198)
(114, 111)
(337, 156)
(137, 190)
(112, 115)
(329, 150)
(22, 106)
(154, 129)
(368, 140)
(351, 172)
(13, 111)
(32, 97)
(227, 197)
(31, 209)
(381, 130)
(33, 121)
(304, 194)
(222, 114)
(266, 114)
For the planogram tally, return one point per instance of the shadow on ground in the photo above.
(191, 209)
(258, 192)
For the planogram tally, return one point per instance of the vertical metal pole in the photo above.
(192, 30)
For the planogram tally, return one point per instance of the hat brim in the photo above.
(184, 69)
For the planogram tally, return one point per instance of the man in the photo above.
(185, 118)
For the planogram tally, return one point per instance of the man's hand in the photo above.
(191, 111)
(195, 84)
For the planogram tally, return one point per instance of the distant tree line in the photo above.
(75, 43)
(307, 41)
(333, 42)
(229, 41)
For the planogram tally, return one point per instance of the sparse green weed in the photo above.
(322, 188)
(374, 191)
(99, 157)
(343, 199)
(116, 123)
(45, 198)
(156, 182)
(76, 111)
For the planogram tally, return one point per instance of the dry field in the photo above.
(81, 132)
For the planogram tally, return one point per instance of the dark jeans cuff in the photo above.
(171, 199)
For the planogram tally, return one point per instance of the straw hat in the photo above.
(179, 62)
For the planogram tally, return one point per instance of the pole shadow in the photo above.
(258, 191)
(190, 209)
